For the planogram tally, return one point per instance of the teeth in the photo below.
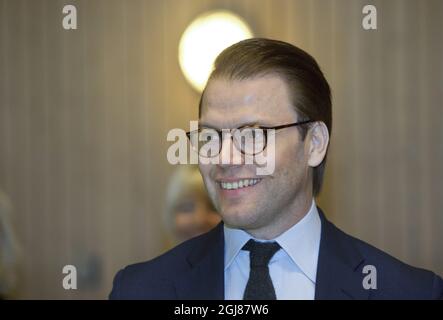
(239, 184)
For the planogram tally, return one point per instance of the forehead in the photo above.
(263, 100)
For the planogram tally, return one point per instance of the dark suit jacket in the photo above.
(195, 270)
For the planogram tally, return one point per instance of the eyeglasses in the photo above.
(250, 140)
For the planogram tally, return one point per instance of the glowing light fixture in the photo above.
(204, 39)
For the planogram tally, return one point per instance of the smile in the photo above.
(243, 183)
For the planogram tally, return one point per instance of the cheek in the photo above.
(288, 153)
(210, 185)
(202, 168)
(183, 220)
(205, 173)
(290, 161)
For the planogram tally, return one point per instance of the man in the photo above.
(273, 243)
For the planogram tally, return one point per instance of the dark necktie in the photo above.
(259, 286)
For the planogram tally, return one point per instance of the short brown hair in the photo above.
(309, 90)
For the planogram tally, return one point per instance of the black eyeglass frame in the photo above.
(220, 134)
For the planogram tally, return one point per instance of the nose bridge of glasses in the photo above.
(231, 145)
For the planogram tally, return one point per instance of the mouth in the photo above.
(238, 184)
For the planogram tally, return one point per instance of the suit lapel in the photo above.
(339, 269)
(205, 278)
(339, 274)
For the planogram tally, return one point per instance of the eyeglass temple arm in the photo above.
(288, 125)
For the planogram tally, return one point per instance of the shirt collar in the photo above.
(301, 242)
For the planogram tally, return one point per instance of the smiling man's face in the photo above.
(271, 205)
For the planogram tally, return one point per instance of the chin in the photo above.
(239, 219)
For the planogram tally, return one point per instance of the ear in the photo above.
(318, 143)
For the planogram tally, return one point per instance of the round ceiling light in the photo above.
(207, 36)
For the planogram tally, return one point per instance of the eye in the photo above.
(186, 206)
(208, 134)
(254, 133)
(208, 142)
(257, 133)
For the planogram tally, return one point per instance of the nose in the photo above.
(229, 154)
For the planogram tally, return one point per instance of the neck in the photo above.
(290, 217)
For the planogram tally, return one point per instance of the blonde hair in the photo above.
(186, 181)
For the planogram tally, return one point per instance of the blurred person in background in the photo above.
(9, 251)
(189, 211)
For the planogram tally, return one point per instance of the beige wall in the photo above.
(84, 116)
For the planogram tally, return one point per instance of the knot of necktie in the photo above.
(260, 253)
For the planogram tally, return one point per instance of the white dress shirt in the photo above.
(292, 269)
